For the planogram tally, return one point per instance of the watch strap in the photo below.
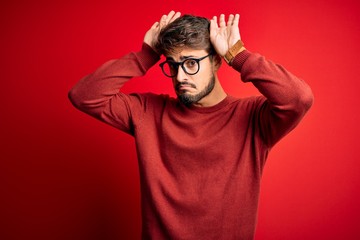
(233, 51)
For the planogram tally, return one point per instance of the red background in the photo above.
(64, 175)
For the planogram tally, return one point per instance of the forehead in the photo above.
(186, 53)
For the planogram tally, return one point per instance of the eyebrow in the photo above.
(181, 58)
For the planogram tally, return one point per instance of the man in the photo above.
(200, 155)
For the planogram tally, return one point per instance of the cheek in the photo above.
(203, 78)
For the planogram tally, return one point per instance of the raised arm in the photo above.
(97, 94)
(288, 98)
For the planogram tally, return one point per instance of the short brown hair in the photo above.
(187, 31)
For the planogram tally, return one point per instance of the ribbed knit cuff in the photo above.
(240, 59)
(147, 56)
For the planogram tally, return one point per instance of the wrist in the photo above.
(237, 48)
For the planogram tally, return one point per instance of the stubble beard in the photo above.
(188, 99)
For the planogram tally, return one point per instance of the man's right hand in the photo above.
(152, 34)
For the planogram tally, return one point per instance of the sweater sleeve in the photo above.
(288, 98)
(98, 95)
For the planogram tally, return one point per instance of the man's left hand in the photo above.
(226, 34)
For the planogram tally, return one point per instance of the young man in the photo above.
(201, 155)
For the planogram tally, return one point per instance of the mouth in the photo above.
(185, 86)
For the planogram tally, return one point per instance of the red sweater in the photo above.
(200, 167)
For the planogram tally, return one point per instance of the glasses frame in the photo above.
(177, 64)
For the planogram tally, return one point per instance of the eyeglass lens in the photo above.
(190, 66)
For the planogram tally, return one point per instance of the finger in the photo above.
(236, 20)
(222, 20)
(155, 25)
(177, 15)
(162, 22)
(214, 22)
(230, 20)
(169, 16)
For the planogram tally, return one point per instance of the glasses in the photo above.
(191, 66)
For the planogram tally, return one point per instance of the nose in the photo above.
(181, 74)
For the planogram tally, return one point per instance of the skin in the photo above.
(197, 86)
(222, 36)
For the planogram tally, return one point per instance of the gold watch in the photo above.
(233, 51)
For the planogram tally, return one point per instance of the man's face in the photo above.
(192, 89)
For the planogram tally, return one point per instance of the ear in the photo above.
(217, 61)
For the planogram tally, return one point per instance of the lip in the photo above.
(185, 87)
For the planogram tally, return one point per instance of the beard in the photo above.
(188, 99)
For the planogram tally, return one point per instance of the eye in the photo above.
(190, 63)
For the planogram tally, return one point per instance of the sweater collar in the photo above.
(214, 108)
